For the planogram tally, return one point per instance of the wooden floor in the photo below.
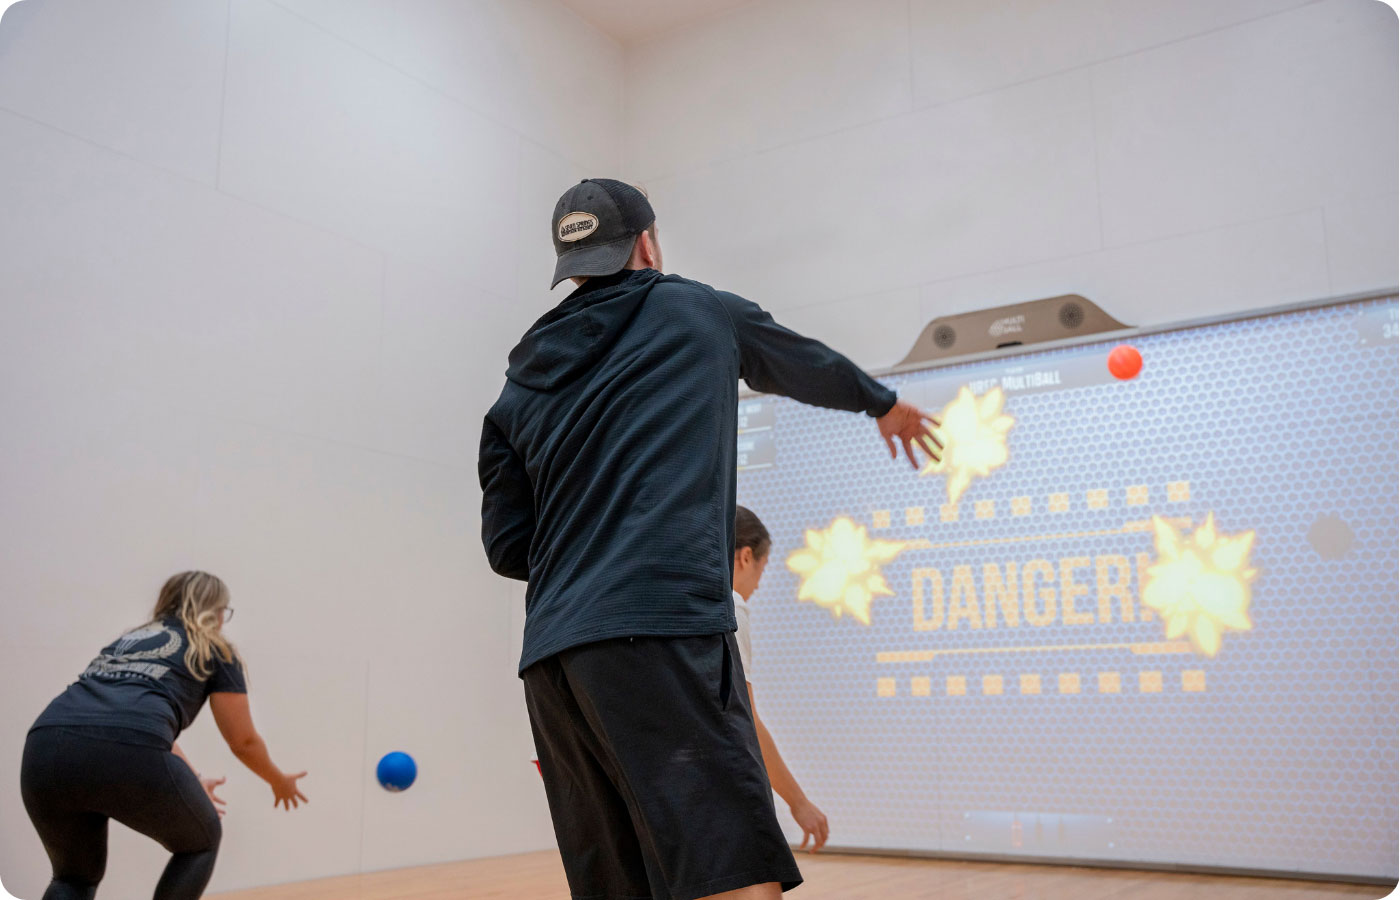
(538, 876)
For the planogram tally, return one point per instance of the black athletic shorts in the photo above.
(653, 771)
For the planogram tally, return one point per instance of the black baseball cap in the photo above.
(596, 223)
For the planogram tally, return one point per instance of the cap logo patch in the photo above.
(576, 226)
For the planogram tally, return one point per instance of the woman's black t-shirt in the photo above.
(140, 681)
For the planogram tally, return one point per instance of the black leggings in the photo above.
(74, 780)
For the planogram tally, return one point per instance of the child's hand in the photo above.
(812, 821)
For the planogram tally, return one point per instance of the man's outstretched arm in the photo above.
(507, 504)
(777, 360)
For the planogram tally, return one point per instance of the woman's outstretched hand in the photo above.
(209, 784)
(285, 792)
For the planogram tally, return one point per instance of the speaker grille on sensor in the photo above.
(1071, 315)
(943, 337)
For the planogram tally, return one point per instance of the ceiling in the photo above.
(628, 21)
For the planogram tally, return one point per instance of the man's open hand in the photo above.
(910, 424)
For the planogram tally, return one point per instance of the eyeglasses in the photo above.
(228, 613)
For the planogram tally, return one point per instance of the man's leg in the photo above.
(677, 738)
(597, 841)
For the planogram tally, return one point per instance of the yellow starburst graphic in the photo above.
(1200, 583)
(973, 433)
(840, 568)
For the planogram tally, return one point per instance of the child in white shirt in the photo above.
(751, 545)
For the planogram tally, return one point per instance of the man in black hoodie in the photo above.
(608, 477)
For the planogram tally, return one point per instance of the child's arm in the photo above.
(811, 819)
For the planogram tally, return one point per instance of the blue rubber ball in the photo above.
(396, 771)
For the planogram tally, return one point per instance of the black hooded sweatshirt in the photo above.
(608, 463)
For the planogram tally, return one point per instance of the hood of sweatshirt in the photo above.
(570, 338)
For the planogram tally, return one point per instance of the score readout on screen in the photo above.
(756, 449)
